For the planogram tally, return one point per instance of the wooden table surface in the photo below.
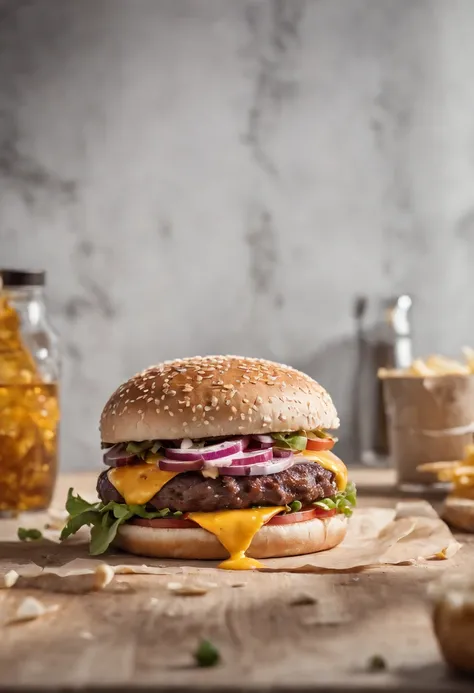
(143, 639)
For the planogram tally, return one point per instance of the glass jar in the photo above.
(29, 405)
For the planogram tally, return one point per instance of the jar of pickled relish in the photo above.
(29, 405)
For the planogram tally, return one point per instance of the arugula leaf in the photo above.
(291, 441)
(76, 505)
(103, 535)
(104, 519)
(342, 502)
(74, 524)
(207, 654)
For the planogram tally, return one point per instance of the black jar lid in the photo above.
(12, 278)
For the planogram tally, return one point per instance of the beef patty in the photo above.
(190, 491)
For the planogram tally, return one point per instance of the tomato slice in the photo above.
(301, 516)
(164, 523)
(320, 444)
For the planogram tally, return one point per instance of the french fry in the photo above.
(419, 367)
(433, 365)
(442, 365)
(468, 353)
(445, 471)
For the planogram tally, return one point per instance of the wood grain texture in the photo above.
(282, 632)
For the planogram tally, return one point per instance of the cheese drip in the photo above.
(235, 530)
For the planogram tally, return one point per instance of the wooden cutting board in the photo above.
(278, 631)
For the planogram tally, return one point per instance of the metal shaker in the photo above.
(384, 340)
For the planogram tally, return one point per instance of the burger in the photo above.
(218, 457)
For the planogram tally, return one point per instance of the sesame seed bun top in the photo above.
(210, 396)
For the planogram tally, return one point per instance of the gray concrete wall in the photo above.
(225, 176)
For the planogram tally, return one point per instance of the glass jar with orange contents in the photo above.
(29, 405)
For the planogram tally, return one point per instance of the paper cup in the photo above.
(429, 420)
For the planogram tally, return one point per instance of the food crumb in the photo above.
(303, 600)
(9, 579)
(376, 663)
(30, 609)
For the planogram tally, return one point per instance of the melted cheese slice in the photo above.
(138, 483)
(328, 460)
(235, 530)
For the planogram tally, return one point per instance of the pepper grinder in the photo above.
(383, 341)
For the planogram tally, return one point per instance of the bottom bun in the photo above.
(459, 513)
(271, 541)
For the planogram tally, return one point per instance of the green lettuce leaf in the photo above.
(342, 502)
(290, 441)
(104, 519)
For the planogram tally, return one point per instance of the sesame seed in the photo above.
(140, 411)
(214, 401)
(150, 399)
(206, 423)
(234, 409)
(163, 397)
(259, 400)
(227, 402)
(245, 400)
(170, 413)
(207, 408)
(157, 411)
(185, 425)
(172, 393)
(242, 416)
(194, 418)
(267, 419)
(230, 418)
(166, 407)
(188, 388)
(198, 378)
(228, 387)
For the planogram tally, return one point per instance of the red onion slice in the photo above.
(246, 440)
(259, 469)
(117, 456)
(264, 439)
(178, 466)
(282, 452)
(209, 452)
(251, 457)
